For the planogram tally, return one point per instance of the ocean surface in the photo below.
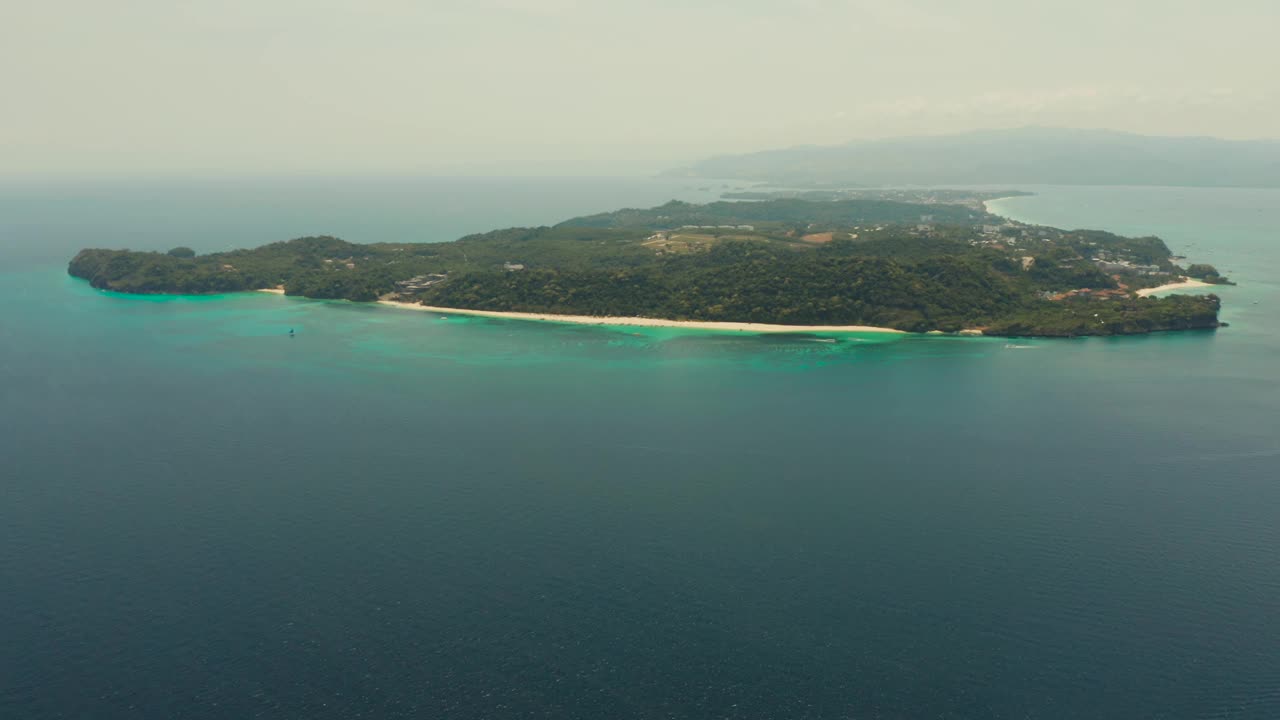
(395, 515)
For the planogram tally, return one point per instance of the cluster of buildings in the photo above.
(1009, 234)
(419, 283)
(1124, 266)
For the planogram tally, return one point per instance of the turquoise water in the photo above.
(397, 515)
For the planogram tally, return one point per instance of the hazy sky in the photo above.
(574, 86)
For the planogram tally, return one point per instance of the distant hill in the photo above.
(780, 211)
(1032, 156)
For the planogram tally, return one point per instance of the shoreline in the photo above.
(986, 204)
(1181, 285)
(705, 325)
(986, 207)
(643, 322)
(628, 321)
(1184, 284)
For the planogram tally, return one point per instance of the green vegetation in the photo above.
(788, 261)
(778, 213)
(1126, 316)
(1207, 273)
(752, 282)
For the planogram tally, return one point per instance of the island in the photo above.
(944, 266)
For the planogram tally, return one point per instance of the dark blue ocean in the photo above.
(398, 516)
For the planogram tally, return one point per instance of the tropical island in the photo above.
(780, 262)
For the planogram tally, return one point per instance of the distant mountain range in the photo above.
(1033, 155)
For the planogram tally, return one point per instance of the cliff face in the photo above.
(92, 265)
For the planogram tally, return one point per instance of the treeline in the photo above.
(328, 267)
(180, 271)
(837, 213)
(750, 282)
(1121, 316)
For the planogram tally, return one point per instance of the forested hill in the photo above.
(785, 211)
(915, 267)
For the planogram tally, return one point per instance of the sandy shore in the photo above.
(273, 291)
(1183, 285)
(986, 204)
(642, 322)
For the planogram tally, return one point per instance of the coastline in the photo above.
(757, 328)
(1182, 285)
(986, 204)
(643, 322)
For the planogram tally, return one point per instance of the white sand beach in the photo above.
(1182, 285)
(986, 204)
(642, 322)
